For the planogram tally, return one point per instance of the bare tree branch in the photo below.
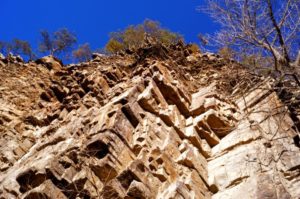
(269, 26)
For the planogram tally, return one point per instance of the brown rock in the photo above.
(156, 123)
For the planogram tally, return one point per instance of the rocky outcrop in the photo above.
(157, 123)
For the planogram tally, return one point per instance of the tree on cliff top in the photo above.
(133, 36)
(5, 47)
(61, 41)
(83, 53)
(22, 47)
(17, 46)
(269, 27)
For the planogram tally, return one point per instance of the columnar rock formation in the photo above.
(157, 123)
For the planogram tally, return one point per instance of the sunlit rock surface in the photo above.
(162, 122)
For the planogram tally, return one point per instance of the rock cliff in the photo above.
(161, 122)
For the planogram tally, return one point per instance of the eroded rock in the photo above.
(142, 125)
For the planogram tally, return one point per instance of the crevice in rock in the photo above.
(297, 140)
(70, 190)
(126, 177)
(97, 149)
(58, 92)
(237, 181)
(53, 142)
(130, 115)
(29, 180)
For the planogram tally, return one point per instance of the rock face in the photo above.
(156, 123)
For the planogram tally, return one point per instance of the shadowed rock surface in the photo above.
(161, 122)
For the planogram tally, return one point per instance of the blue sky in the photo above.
(92, 20)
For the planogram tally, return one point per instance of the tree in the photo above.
(227, 52)
(2, 47)
(5, 47)
(269, 27)
(61, 41)
(17, 46)
(83, 53)
(114, 45)
(22, 47)
(193, 48)
(133, 36)
(46, 43)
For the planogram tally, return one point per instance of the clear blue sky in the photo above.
(92, 20)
